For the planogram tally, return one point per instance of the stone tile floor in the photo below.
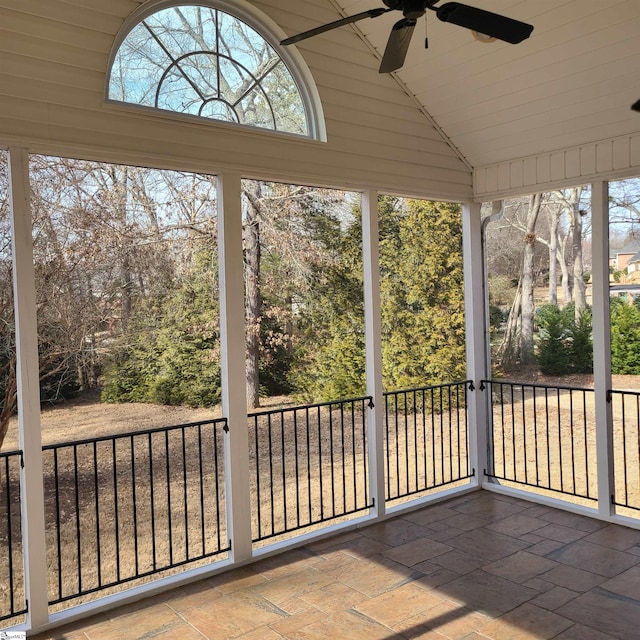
(476, 567)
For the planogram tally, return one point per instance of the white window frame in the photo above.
(258, 21)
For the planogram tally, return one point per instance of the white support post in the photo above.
(602, 345)
(475, 335)
(232, 361)
(373, 346)
(28, 378)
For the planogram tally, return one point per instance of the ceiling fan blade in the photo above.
(636, 105)
(371, 13)
(397, 45)
(485, 22)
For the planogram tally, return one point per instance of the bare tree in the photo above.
(253, 292)
(570, 200)
(554, 223)
(517, 344)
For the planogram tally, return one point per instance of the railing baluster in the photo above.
(561, 466)
(258, 471)
(546, 400)
(284, 469)
(116, 519)
(168, 502)
(627, 463)
(201, 488)
(586, 443)
(77, 517)
(134, 504)
(297, 465)
(152, 504)
(58, 520)
(535, 435)
(308, 430)
(271, 505)
(12, 574)
(353, 451)
(433, 436)
(96, 492)
(185, 496)
(424, 439)
(344, 479)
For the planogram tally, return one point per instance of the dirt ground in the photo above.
(88, 417)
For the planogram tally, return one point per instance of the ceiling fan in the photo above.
(485, 23)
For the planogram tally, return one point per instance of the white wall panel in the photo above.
(603, 160)
(53, 62)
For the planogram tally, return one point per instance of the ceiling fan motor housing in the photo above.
(412, 9)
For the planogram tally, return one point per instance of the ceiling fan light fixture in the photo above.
(483, 37)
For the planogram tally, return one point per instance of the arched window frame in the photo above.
(267, 28)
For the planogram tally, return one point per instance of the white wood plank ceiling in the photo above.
(570, 84)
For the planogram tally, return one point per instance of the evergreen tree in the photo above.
(581, 347)
(565, 344)
(330, 362)
(422, 293)
(171, 354)
(553, 356)
(625, 337)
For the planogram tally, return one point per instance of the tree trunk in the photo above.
(527, 279)
(566, 280)
(554, 220)
(253, 298)
(579, 286)
(517, 344)
(509, 350)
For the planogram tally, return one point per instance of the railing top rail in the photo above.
(131, 434)
(428, 387)
(629, 392)
(10, 454)
(535, 385)
(317, 405)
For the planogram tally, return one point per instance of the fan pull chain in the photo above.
(426, 32)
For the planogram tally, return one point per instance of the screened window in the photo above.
(201, 61)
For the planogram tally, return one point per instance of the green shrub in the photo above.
(565, 345)
(553, 355)
(625, 337)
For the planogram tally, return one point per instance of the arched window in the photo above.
(199, 60)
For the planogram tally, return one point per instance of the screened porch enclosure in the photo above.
(206, 89)
(125, 514)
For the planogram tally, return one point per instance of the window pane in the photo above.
(201, 61)
(138, 68)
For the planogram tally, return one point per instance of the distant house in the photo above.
(619, 259)
(633, 268)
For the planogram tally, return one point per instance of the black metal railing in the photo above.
(121, 508)
(543, 437)
(625, 409)
(308, 466)
(12, 595)
(426, 439)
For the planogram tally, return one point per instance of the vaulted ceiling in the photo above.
(571, 83)
(460, 119)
